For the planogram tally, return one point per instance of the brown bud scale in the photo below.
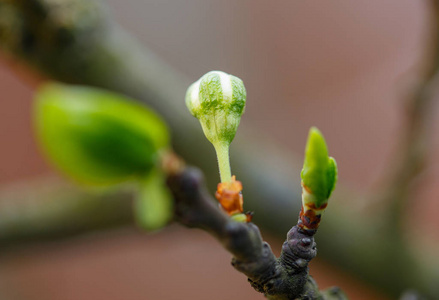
(229, 195)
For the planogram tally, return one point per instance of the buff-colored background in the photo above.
(340, 65)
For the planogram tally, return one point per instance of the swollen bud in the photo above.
(319, 176)
(217, 100)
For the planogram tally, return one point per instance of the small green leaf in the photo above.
(153, 206)
(96, 136)
(319, 173)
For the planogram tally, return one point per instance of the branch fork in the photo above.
(283, 278)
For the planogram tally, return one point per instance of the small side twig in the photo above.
(415, 140)
(286, 277)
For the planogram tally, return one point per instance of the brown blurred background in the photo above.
(342, 66)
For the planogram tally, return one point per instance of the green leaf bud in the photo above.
(96, 136)
(319, 173)
(217, 100)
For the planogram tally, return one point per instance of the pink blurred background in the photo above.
(343, 66)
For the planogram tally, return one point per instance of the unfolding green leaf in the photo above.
(96, 136)
(153, 207)
(332, 175)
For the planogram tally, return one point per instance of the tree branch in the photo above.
(415, 142)
(280, 278)
(48, 209)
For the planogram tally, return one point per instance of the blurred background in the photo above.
(342, 66)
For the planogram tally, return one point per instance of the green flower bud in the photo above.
(95, 136)
(217, 100)
(319, 173)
